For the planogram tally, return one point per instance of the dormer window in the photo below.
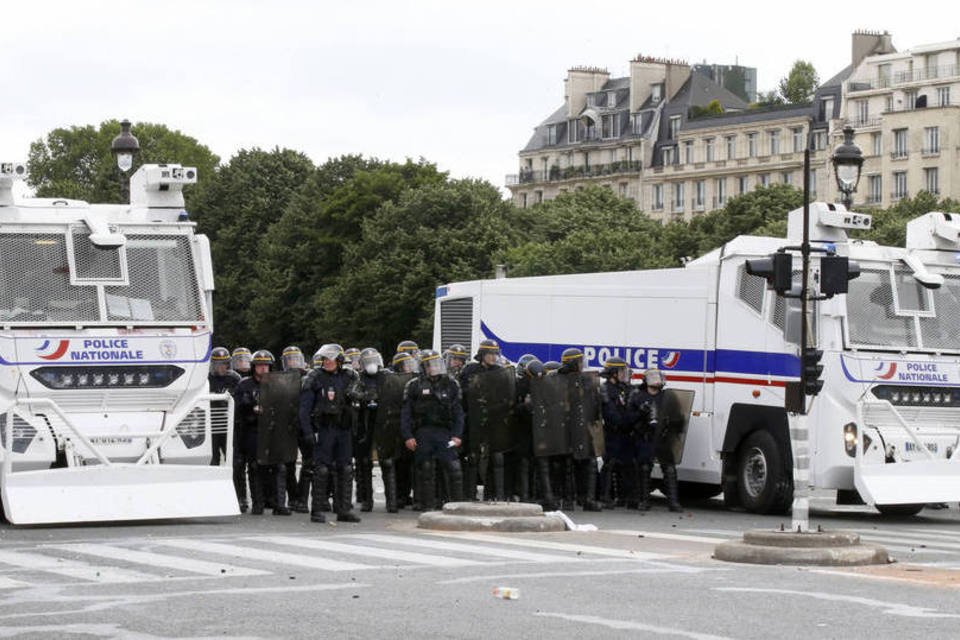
(674, 127)
(611, 99)
(551, 134)
(656, 93)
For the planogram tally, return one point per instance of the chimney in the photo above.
(868, 43)
(581, 81)
(646, 71)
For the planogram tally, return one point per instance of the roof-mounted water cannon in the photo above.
(828, 222)
(10, 172)
(934, 231)
(161, 185)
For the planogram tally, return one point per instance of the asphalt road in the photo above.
(648, 575)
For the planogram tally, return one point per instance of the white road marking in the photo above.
(189, 565)
(72, 568)
(563, 574)
(557, 546)
(911, 542)
(667, 536)
(264, 555)
(891, 608)
(511, 554)
(10, 583)
(911, 536)
(629, 625)
(947, 532)
(373, 552)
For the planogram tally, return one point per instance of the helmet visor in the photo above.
(293, 360)
(433, 365)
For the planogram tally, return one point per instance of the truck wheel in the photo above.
(695, 491)
(899, 510)
(763, 484)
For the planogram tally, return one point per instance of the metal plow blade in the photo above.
(118, 492)
(914, 482)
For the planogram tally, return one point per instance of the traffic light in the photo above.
(835, 274)
(810, 370)
(776, 269)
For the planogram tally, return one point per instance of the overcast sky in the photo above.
(461, 84)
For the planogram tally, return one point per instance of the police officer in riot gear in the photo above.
(365, 395)
(248, 410)
(528, 368)
(432, 425)
(410, 348)
(404, 362)
(551, 367)
(352, 358)
(324, 406)
(474, 464)
(298, 488)
(619, 420)
(240, 361)
(455, 358)
(581, 469)
(223, 379)
(647, 402)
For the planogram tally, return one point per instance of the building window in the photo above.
(931, 180)
(741, 184)
(637, 123)
(552, 134)
(943, 96)
(931, 141)
(863, 112)
(877, 140)
(819, 140)
(899, 143)
(668, 155)
(813, 183)
(688, 152)
(764, 179)
(883, 76)
(611, 99)
(609, 126)
(656, 93)
(657, 197)
(774, 142)
(537, 197)
(731, 147)
(909, 100)
(826, 109)
(899, 185)
(699, 195)
(708, 149)
(523, 200)
(888, 103)
(874, 189)
(622, 189)
(787, 177)
(674, 127)
(720, 189)
(678, 196)
(797, 134)
(751, 145)
(572, 131)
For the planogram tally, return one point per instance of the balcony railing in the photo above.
(865, 123)
(899, 154)
(930, 73)
(899, 195)
(555, 173)
(929, 152)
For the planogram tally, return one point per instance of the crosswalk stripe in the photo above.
(947, 532)
(910, 534)
(910, 542)
(72, 568)
(264, 555)
(10, 583)
(373, 552)
(189, 565)
(558, 546)
(667, 536)
(510, 554)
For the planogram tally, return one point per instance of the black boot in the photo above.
(454, 475)
(303, 489)
(523, 481)
(365, 484)
(425, 477)
(469, 467)
(256, 489)
(499, 480)
(569, 500)
(589, 473)
(240, 482)
(280, 491)
(606, 485)
(670, 487)
(643, 495)
(321, 478)
(549, 502)
(628, 484)
(344, 497)
(389, 472)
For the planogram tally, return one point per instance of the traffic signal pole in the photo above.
(799, 433)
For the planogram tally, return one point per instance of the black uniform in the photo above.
(226, 383)
(247, 397)
(647, 407)
(365, 394)
(475, 461)
(432, 414)
(622, 443)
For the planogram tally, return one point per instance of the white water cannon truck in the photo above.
(884, 429)
(105, 340)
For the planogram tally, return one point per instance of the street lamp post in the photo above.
(124, 147)
(847, 163)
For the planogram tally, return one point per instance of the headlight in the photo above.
(850, 439)
(71, 377)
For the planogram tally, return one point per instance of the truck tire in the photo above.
(763, 484)
(899, 510)
(697, 491)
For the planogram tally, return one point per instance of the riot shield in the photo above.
(386, 435)
(674, 416)
(277, 422)
(548, 395)
(583, 402)
(490, 408)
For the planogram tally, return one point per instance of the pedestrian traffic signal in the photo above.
(810, 370)
(776, 269)
(835, 274)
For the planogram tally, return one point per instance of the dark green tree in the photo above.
(75, 162)
(236, 210)
(800, 84)
(890, 225)
(762, 211)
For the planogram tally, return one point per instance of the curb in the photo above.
(491, 516)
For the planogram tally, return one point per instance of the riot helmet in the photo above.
(616, 369)
(329, 353)
(240, 360)
(455, 357)
(551, 366)
(260, 358)
(316, 361)
(572, 360)
(219, 361)
(410, 347)
(522, 363)
(534, 369)
(352, 356)
(403, 362)
(653, 380)
(432, 363)
(370, 361)
(488, 352)
(292, 358)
